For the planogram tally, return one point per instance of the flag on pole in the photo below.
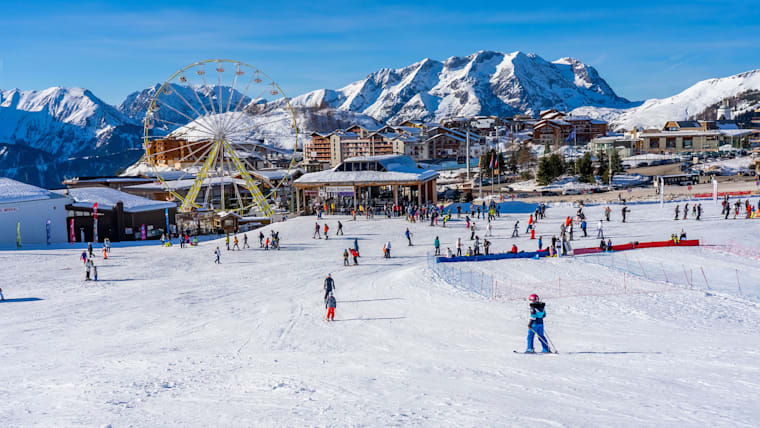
(715, 191)
(662, 192)
(95, 222)
(570, 137)
(18, 234)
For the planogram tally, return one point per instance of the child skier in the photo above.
(345, 257)
(235, 244)
(218, 254)
(536, 324)
(330, 304)
(387, 250)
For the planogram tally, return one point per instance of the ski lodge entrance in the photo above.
(367, 181)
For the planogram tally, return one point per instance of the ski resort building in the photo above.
(556, 128)
(36, 215)
(367, 180)
(120, 216)
(420, 141)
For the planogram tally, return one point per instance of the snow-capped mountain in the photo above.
(692, 102)
(46, 135)
(484, 83)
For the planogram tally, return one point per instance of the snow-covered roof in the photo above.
(398, 168)
(694, 133)
(277, 174)
(186, 184)
(107, 198)
(16, 191)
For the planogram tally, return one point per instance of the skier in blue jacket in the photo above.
(536, 325)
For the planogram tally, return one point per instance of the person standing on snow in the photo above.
(536, 324)
(583, 228)
(516, 231)
(326, 229)
(87, 269)
(329, 286)
(540, 242)
(316, 231)
(388, 250)
(345, 257)
(89, 249)
(607, 212)
(218, 254)
(459, 247)
(472, 231)
(678, 211)
(330, 305)
(340, 229)
(261, 239)
(235, 242)
(356, 246)
(245, 241)
(599, 230)
(355, 254)
(685, 211)
(408, 235)
(227, 241)
(624, 211)
(437, 245)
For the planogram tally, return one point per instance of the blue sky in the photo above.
(650, 49)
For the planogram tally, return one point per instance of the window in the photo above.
(687, 143)
(670, 143)
(654, 143)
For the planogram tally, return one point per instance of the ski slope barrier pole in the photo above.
(705, 277)
(738, 284)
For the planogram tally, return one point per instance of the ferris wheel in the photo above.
(207, 128)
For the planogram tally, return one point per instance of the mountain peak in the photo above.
(484, 82)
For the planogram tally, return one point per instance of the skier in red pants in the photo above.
(330, 305)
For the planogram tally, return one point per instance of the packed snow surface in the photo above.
(168, 338)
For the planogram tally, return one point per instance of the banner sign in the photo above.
(72, 235)
(95, 222)
(47, 231)
(142, 232)
(166, 214)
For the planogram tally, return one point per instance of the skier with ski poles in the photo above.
(330, 305)
(408, 235)
(437, 245)
(536, 324)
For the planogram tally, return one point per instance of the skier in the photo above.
(340, 229)
(583, 228)
(540, 242)
(330, 305)
(536, 324)
(261, 239)
(624, 211)
(356, 246)
(607, 211)
(459, 247)
(89, 249)
(388, 250)
(678, 211)
(355, 254)
(227, 241)
(245, 241)
(449, 254)
(489, 229)
(326, 229)
(107, 244)
(316, 231)
(514, 249)
(235, 241)
(699, 211)
(84, 256)
(329, 286)
(437, 245)
(516, 232)
(685, 211)
(218, 254)
(486, 246)
(599, 230)
(609, 244)
(472, 231)
(94, 272)
(408, 235)
(105, 253)
(87, 269)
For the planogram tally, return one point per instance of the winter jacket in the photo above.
(329, 284)
(537, 313)
(331, 303)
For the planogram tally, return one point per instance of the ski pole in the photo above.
(549, 342)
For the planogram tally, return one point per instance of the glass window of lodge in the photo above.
(687, 143)
(670, 143)
(654, 143)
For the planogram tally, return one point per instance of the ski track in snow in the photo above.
(168, 338)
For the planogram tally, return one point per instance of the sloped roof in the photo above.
(15, 191)
(399, 168)
(107, 198)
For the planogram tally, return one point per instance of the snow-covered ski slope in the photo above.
(168, 338)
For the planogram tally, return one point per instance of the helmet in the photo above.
(533, 298)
